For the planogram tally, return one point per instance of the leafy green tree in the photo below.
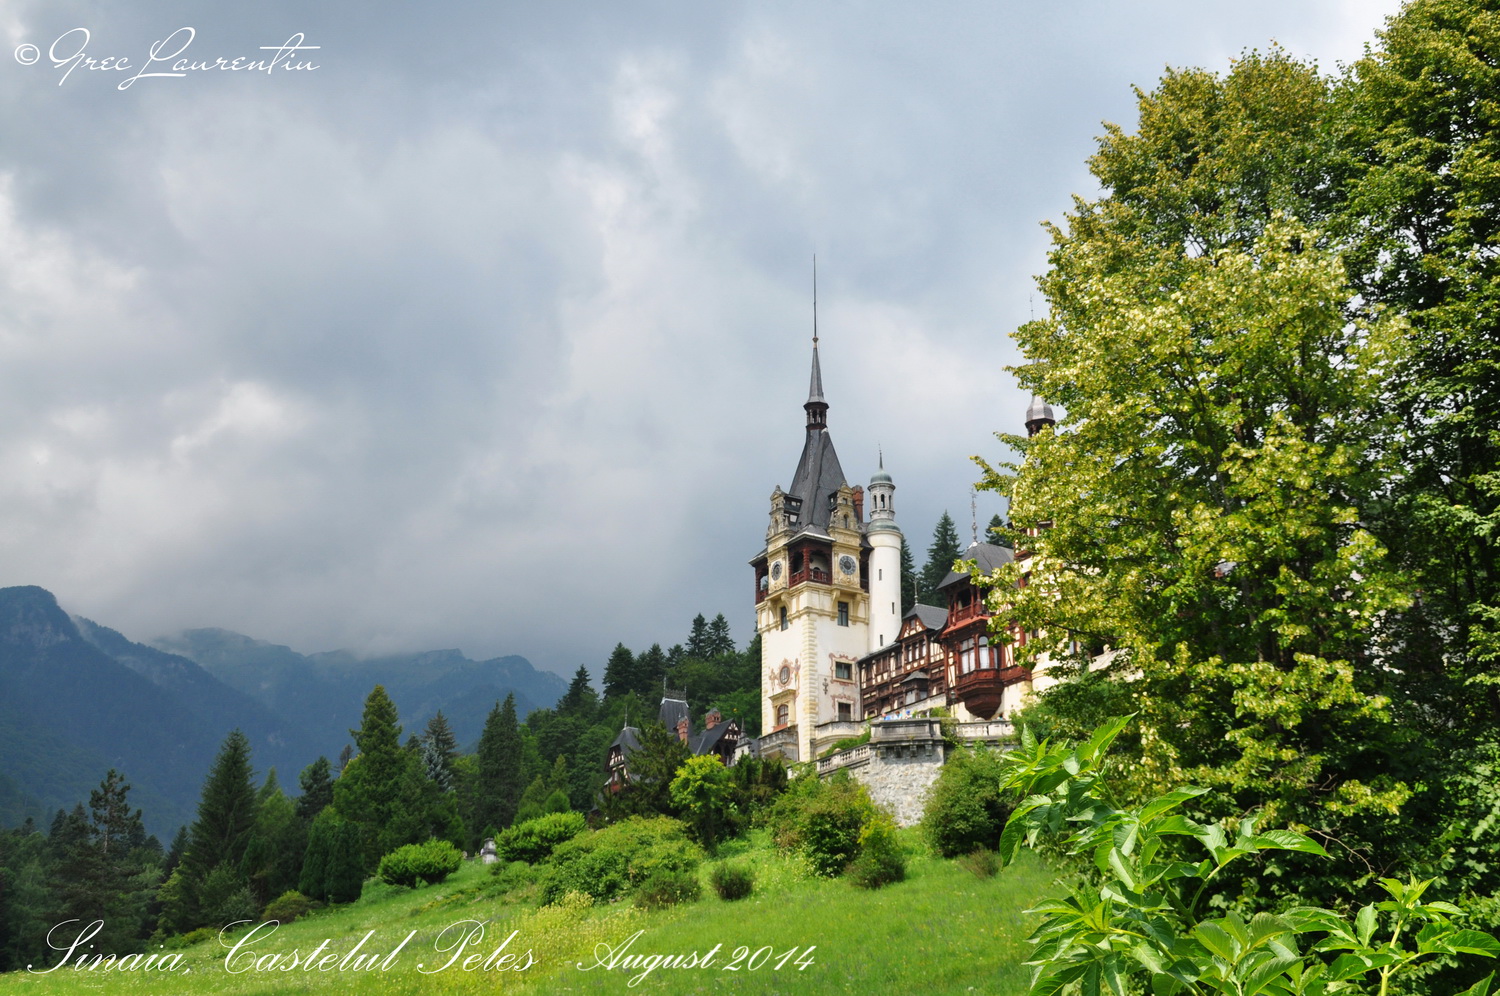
(941, 554)
(652, 768)
(703, 793)
(1202, 507)
(499, 786)
(1421, 225)
(273, 856)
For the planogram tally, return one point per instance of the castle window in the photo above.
(880, 574)
(783, 617)
(783, 714)
(846, 712)
(842, 669)
(843, 613)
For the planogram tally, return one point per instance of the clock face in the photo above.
(847, 564)
(786, 674)
(776, 571)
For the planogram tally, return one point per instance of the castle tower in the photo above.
(812, 592)
(884, 537)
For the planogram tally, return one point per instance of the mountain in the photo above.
(78, 698)
(69, 712)
(325, 693)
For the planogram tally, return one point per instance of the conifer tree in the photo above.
(317, 790)
(226, 812)
(273, 856)
(439, 749)
(369, 791)
(650, 669)
(619, 672)
(499, 786)
(719, 640)
(579, 700)
(995, 533)
(697, 644)
(940, 557)
(114, 824)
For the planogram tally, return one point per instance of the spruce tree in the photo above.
(115, 825)
(650, 669)
(996, 533)
(439, 748)
(273, 856)
(369, 791)
(940, 557)
(619, 672)
(697, 644)
(226, 812)
(719, 640)
(317, 790)
(579, 700)
(499, 786)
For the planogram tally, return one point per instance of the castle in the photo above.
(836, 650)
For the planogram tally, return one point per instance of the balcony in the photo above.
(780, 743)
(810, 574)
(980, 691)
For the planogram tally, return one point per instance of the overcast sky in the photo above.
(493, 330)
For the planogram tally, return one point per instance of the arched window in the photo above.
(783, 714)
(783, 617)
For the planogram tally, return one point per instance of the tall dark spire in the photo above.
(817, 405)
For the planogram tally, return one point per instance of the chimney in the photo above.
(682, 729)
(859, 503)
(712, 719)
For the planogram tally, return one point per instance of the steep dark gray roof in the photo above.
(817, 478)
(629, 740)
(673, 710)
(931, 616)
(987, 555)
(709, 738)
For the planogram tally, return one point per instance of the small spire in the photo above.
(817, 405)
(881, 451)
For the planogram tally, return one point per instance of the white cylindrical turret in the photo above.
(885, 561)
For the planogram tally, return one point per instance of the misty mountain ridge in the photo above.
(77, 698)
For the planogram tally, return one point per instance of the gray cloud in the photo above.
(492, 332)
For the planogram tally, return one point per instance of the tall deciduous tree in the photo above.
(1423, 220)
(1202, 505)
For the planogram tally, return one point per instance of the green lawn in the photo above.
(941, 931)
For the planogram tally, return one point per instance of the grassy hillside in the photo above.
(941, 931)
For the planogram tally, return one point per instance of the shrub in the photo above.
(190, 938)
(536, 839)
(668, 888)
(984, 863)
(831, 824)
(287, 907)
(429, 863)
(732, 882)
(881, 858)
(610, 862)
(966, 809)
